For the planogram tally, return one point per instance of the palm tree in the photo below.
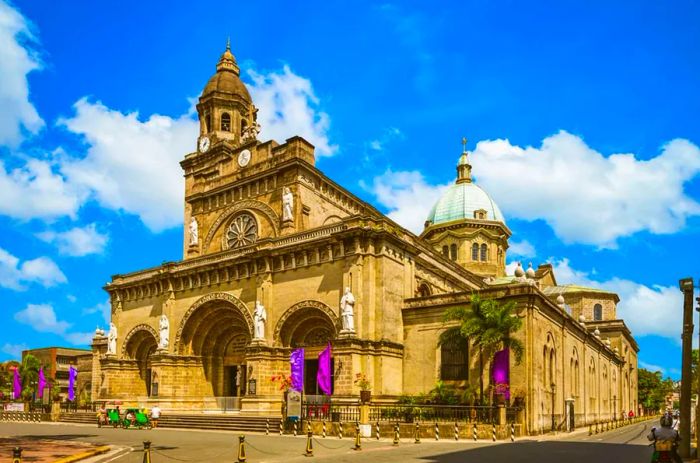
(29, 373)
(488, 324)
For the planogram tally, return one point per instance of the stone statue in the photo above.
(259, 319)
(287, 205)
(112, 339)
(194, 232)
(164, 330)
(347, 304)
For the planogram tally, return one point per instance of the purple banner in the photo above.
(296, 363)
(323, 377)
(42, 383)
(17, 386)
(501, 372)
(72, 374)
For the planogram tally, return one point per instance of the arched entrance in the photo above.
(311, 325)
(139, 344)
(217, 329)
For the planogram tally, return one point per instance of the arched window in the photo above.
(453, 251)
(475, 251)
(244, 126)
(597, 312)
(446, 251)
(207, 122)
(484, 252)
(226, 122)
(454, 360)
(552, 362)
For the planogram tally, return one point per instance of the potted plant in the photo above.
(500, 392)
(365, 388)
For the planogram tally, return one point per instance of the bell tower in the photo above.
(226, 111)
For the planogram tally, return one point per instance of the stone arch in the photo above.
(301, 312)
(250, 205)
(227, 302)
(140, 330)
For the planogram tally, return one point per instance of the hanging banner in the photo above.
(323, 377)
(42, 383)
(72, 374)
(296, 363)
(16, 386)
(501, 373)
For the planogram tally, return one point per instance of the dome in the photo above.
(226, 79)
(461, 201)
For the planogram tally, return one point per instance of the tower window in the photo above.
(597, 312)
(244, 126)
(453, 252)
(446, 251)
(226, 122)
(207, 122)
(484, 252)
(454, 356)
(475, 251)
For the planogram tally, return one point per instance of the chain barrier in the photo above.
(321, 443)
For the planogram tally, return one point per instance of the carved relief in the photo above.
(305, 305)
(249, 204)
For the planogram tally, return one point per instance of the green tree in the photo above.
(29, 373)
(488, 324)
(653, 389)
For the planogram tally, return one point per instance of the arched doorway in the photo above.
(217, 329)
(311, 325)
(139, 344)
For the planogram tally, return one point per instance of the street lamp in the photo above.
(554, 389)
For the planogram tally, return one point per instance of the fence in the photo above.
(330, 412)
(67, 407)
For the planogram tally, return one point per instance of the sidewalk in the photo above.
(36, 449)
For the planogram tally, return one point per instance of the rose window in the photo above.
(242, 231)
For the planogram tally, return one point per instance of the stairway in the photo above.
(201, 421)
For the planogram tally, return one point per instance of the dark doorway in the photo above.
(310, 372)
(149, 392)
(234, 377)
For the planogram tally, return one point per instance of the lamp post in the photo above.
(686, 287)
(554, 390)
(697, 367)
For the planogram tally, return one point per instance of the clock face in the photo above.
(204, 144)
(244, 158)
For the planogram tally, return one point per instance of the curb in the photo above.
(83, 455)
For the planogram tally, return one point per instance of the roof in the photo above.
(460, 201)
(570, 289)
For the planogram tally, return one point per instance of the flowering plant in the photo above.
(285, 382)
(501, 388)
(362, 381)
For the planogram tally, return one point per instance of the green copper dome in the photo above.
(460, 201)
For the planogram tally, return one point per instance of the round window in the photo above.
(242, 231)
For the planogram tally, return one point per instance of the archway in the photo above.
(139, 344)
(217, 329)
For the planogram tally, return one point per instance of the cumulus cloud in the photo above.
(388, 135)
(652, 367)
(103, 308)
(647, 310)
(17, 59)
(407, 196)
(521, 248)
(15, 275)
(78, 241)
(36, 190)
(42, 318)
(587, 197)
(13, 350)
(288, 106)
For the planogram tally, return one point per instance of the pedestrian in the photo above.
(155, 415)
(676, 421)
(631, 414)
(663, 436)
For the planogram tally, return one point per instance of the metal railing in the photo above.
(439, 413)
(330, 412)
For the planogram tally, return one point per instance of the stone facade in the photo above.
(263, 224)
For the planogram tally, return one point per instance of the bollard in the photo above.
(493, 432)
(241, 449)
(358, 443)
(590, 429)
(281, 428)
(309, 445)
(474, 432)
(295, 429)
(376, 430)
(456, 431)
(595, 430)
(437, 432)
(147, 451)
(267, 426)
(324, 429)
(17, 455)
(340, 430)
(512, 432)
(417, 436)
(396, 434)
(308, 426)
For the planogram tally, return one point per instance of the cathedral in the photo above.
(278, 256)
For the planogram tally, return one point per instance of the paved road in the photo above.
(619, 446)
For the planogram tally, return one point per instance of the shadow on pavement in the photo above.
(540, 452)
(54, 436)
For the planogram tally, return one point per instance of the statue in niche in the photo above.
(112, 339)
(347, 304)
(194, 232)
(164, 330)
(259, 319)
(287, 205)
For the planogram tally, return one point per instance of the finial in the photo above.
(228, 43)
(464, 144)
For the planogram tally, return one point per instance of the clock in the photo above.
(244, 158)
(204, 144)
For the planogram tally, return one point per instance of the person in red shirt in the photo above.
(631, 414)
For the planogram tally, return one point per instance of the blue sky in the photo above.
(581, 118)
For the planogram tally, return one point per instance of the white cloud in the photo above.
(17, 60)
(652, 367)
(41, 270)
(521, 248)
(584, 196)
(13, 350)
(102, 308)
(132, 165)
(390, 134)
(78, 241)
(42, 318)
(407, 196)
(288, 106)
(36, 191)
(647, 310)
